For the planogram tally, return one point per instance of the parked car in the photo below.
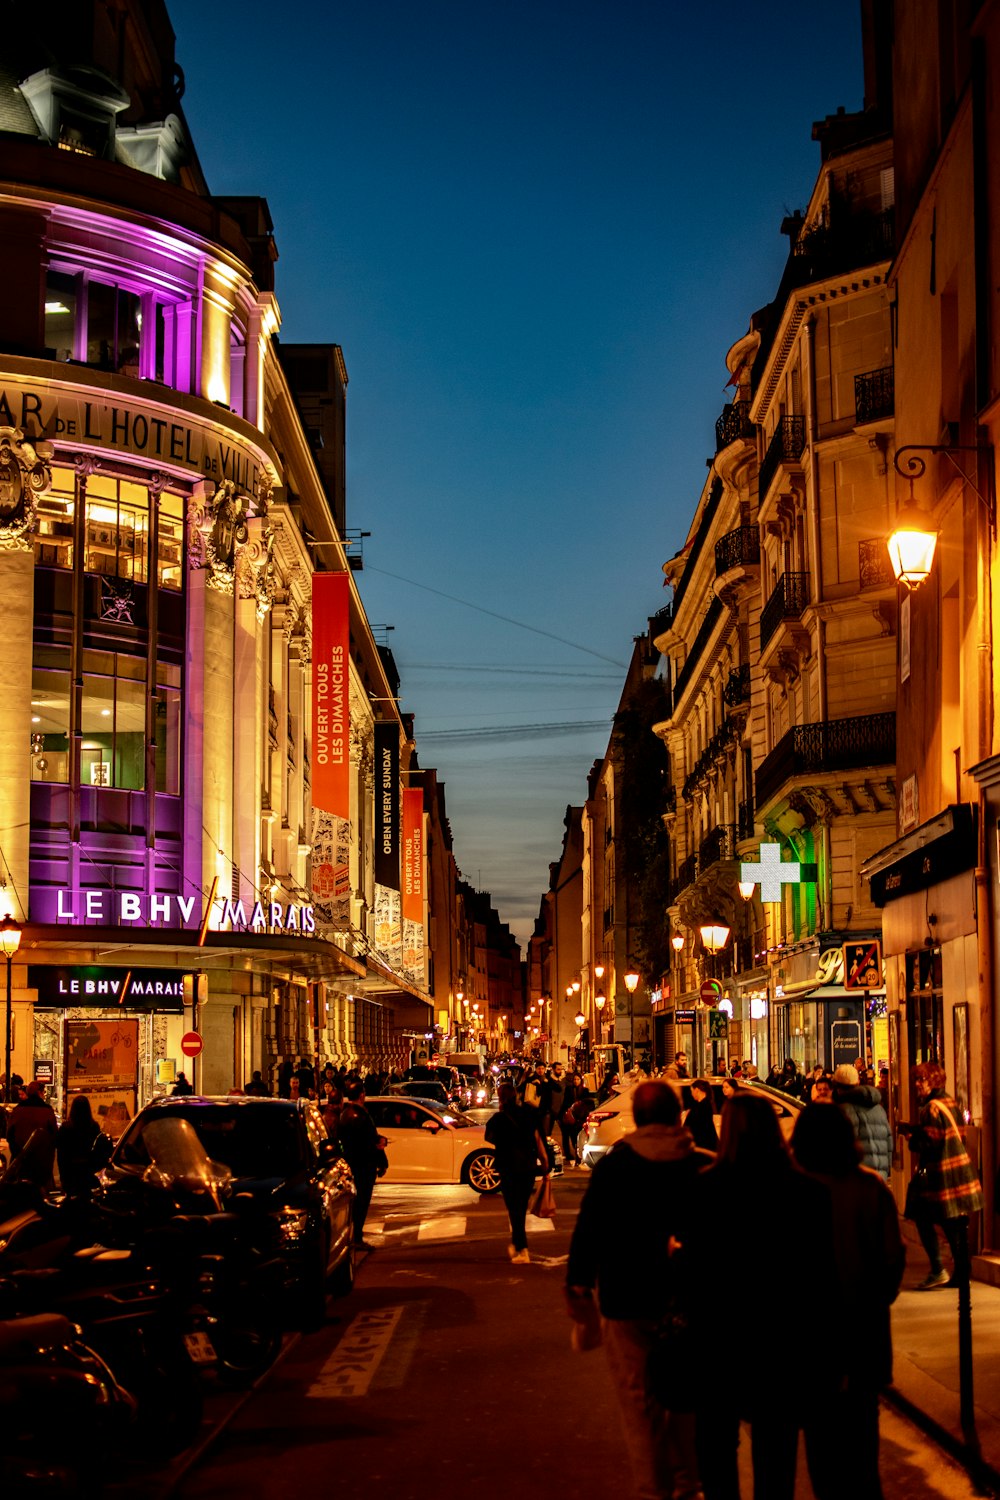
(423, 1088)
(433, 1143)
(610, 1121)
(278, 1152)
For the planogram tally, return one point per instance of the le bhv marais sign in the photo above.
(129, 908)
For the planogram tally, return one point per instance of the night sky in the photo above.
(535, 229)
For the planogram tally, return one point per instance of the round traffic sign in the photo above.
(192, 1043)
(710, 992)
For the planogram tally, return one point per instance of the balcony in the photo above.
(687, 872)
(874, 567)
(785, 448)
(734, 424)
(661, 622)
(737, 549)
(745, 821)
(874, 395)
(838, 745)
(720, 844)
(715, 610)
(737, 689)
(829, 250)
(790, 597)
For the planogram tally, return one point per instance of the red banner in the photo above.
(413, 854)
(331, 740)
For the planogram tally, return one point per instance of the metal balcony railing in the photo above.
(790, 597)
(661, 622)
(837, 745)
(874, 395)
(734, 423)
(737, 549)
(874, 567)
(786, 447)
(853, 240)
(687, 872)
(720, 844)
(700, 641)
(737, 688)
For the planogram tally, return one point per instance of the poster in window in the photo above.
(960, 1038)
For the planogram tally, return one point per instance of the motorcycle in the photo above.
(62, 1411)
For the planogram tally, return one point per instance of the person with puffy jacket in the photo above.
(862, 1105)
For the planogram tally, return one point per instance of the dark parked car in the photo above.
(278, 1152)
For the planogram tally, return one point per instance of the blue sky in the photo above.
(535, 229)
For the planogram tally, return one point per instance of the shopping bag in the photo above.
(543, 1201)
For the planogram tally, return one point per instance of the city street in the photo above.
(450, 1371)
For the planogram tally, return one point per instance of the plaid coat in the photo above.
(951, 1187)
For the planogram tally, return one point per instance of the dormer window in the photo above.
(75, 108)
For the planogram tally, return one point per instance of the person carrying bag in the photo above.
(944, 1190)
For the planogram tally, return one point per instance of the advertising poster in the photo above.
(331, 871)
(388, 927)
(102, 1061)
(413, 855)
(331, 741)
(387, 804)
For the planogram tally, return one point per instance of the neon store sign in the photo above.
(130, 908)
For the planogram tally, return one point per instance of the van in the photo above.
(469, 1066)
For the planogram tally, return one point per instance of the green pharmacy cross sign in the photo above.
(772, 873)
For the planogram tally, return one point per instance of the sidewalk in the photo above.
(925, 1351)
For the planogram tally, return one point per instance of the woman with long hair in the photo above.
(757, 1216)
(869, 1254)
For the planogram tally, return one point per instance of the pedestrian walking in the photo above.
(869, 1255)
(257, 1088)
(519, 1149)
(31, 1114)
(639, 1198)
(700, 1118)
(754, 1209)
(944, 1190)
(577, 1104)
(82, 1149)
(862, 1104)
(364, 1152)
(557, 1096)
(181, 1086)
(537, 1093)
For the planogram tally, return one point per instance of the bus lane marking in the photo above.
(352, 1365)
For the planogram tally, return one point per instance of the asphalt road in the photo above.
(449, 1372)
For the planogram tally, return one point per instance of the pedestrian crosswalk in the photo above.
(410, 1228)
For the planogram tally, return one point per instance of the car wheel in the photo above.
(481, 1172)
(342, 1279)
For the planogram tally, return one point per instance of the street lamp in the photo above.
(10, 941)
(580, 1019)
(631, 981)
(715, 936)
(911, 546)
(677, 941)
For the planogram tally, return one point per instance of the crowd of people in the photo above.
(668, 1213)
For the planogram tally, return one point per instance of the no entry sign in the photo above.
(710, 991)
(192, 1043)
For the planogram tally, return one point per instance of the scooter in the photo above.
(62, 1411)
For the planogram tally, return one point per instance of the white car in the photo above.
(608, 1122)
(429, 1142)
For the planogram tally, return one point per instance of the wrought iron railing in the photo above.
(837, 745)
(704, 527)
(874, 567)
(737, 688)
(854, 240)
(790, 597)
(737, 549)
(734, 423)
(709, 623)
(661, 622)
(720, 844)
(687, 872)
(786, 447)
(874, 395)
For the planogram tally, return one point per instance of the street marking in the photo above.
(353, 1363)
(448, 1227)
(549, 1260)
(539, 1224)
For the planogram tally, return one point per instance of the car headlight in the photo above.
(293, 1224)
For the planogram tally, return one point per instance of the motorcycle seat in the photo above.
(41, 1331)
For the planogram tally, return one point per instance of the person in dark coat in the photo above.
(257, 1088)
(700, 1118)
(82, 1149)
(862, 1105)
(32, 1114)
(949, 1190)
(869, 1254)
(639, 1199)
(364, 1152)
(754, 1209)
(181, 1086)
(519, 1150)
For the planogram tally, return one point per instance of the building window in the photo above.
(53, 537)
(60, 315)
(170, 546)
(925, 1006)
(117, 527)
(50, 701)
(113, 721)
(114, 328)
(168, 729)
